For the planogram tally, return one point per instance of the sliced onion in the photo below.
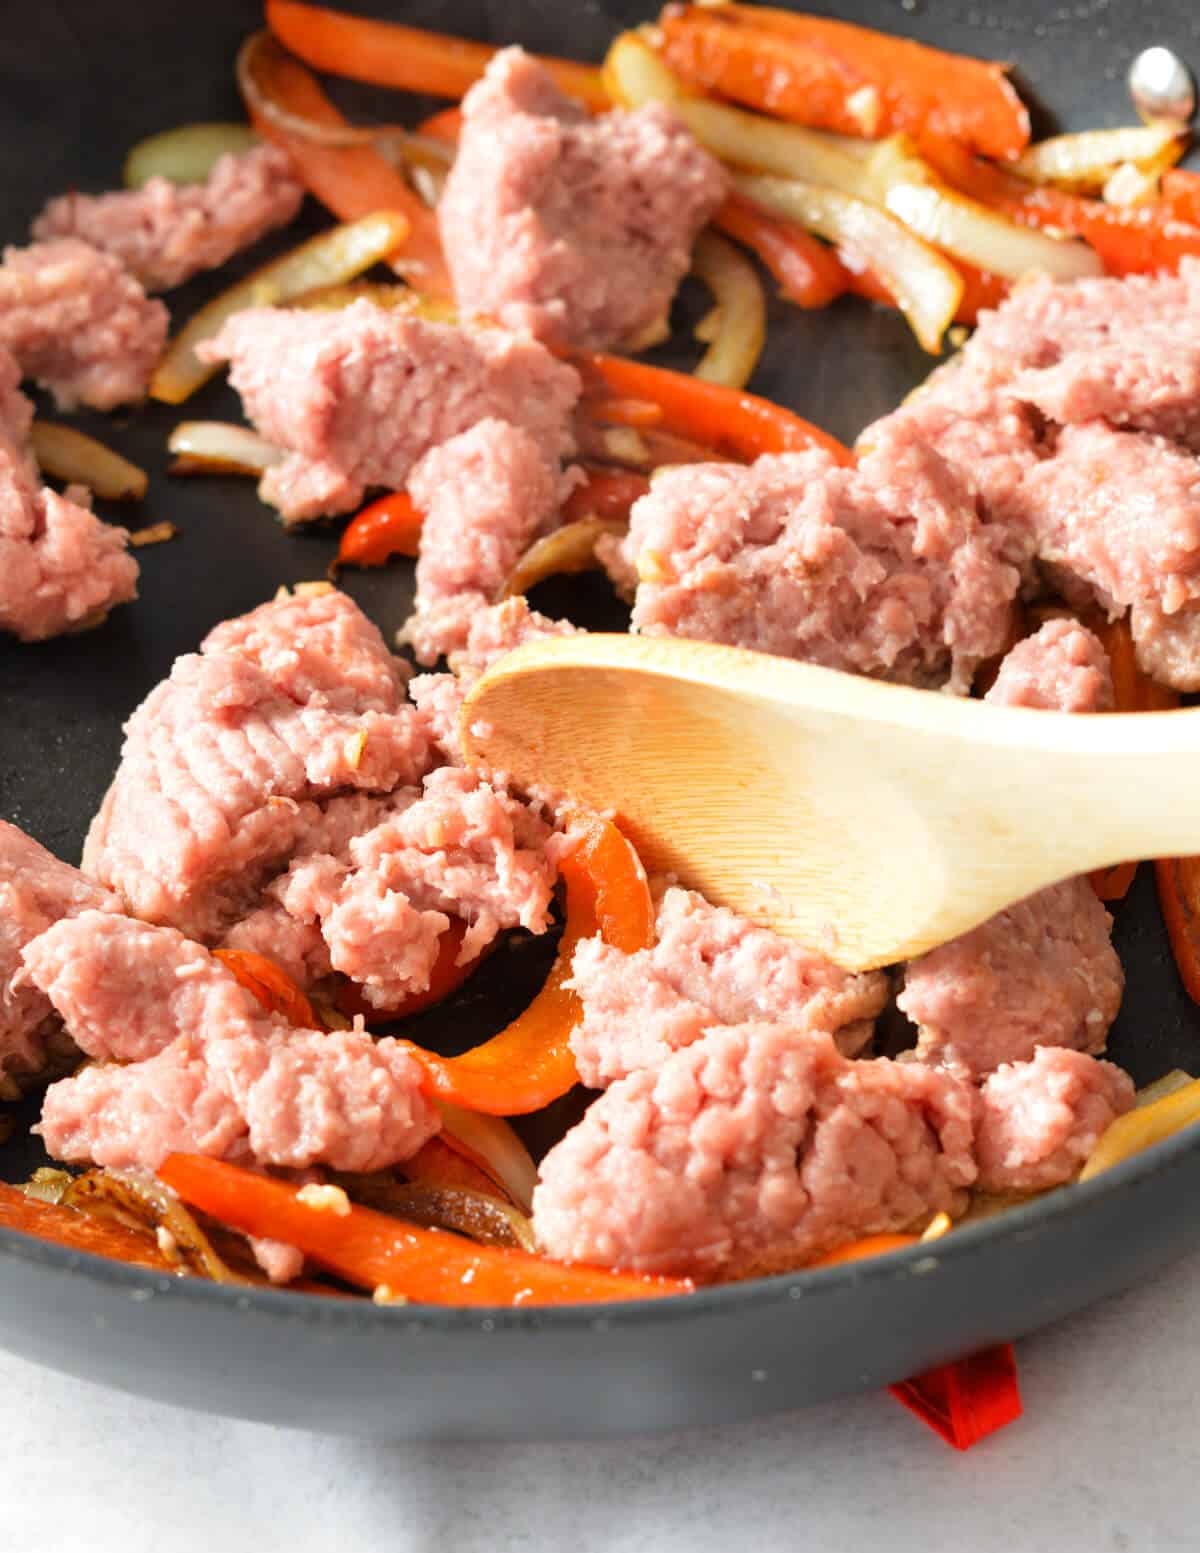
(1085, 161)
(77, 459)
(495, 1147)
(569, 549)
(186, 154)
(741, 312)
(1169, 1084)
(382, 293)
(634, 75)
(927, 289)
(142, 1201)
(219, 448)
(325, 260)
(461, 1209)
(902, 183)
(1140, 1128)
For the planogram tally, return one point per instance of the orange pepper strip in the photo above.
(531, 1063)
(606, 493)
(445, 126)
(1130, 239)
(79, 1231)
(966, 1401)
(388, 54)
(860, 1250)
(273, 987)
(440, 1163)
(1178, 880)
(384, 528)
(372, 1250)
(728, 421)
(1181, 195)
(445, 975)
(809, 273)
(838, 76)
(351, 181)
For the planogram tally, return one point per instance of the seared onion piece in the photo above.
(491, 1143)
(1169, 1084)
(1145, 1125)
(141, 1201)
(635, 75)
(740, 312)
(570, 549)
(77, 459)
(327, 259)
(480, 1217)
(218, 448)
(186, 154)
(906, 186)
(926, 288)
(328, 299)
(1083, 163)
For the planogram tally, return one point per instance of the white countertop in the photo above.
(1105, 1459)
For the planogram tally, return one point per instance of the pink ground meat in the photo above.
(577, 229)
(1168, 646)
(1040, 1120)
(1121, 511)
(166, 232)
(879, 569)
(202, 1068)
(1043, 972)
(358, 396)
(485, 495)
(493, 632)
(1060, 668)
(79, 324)
(708, 967)
(296, 701)
(755, 1148)
(1125, 351)
(36, 890)
(461, 849)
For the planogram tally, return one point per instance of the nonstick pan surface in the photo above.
(82, 81)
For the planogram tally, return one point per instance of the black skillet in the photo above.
(82, 80)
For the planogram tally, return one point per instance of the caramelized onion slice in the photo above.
(77, 459)
(738, 323)
(219, 448)
(569, 549)
(186, 154)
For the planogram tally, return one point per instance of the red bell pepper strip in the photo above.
(730, 422)
(384, 528)
(809, 273)
(271, 985)
(1130, 239)
(835, 75)
(445, 126)
(351, 181)
(374, 1251)
(1180, 195)
(389, 54)
(966, 1401)
(1178, 880)
(445, 976)
(530, 1062)
(80, 1231)
(605, 493)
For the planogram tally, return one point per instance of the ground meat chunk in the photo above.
(294, 702)
(203, 1068)
(879, 569)
(461, 848)
(1041, 973)
(577, 229)
(166, 232)
(79, 324)
(1060, 668)
(358, 396)
(1168, 646)
(36, 890)
(492, 633)
(1039, 1120)
(708, 967)
(484, 494)
(755, 1148)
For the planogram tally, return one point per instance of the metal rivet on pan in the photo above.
(1161, 86)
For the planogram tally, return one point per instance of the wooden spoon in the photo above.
(868, 820)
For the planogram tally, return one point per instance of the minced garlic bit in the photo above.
(167, 1243)
(155, 534)
(384, 1294)
(624, 446)
(313, 590)
(325, 1199)
(937, 1227)
(355, 747)
(866, 109)
(651, 567)
(957, 336)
